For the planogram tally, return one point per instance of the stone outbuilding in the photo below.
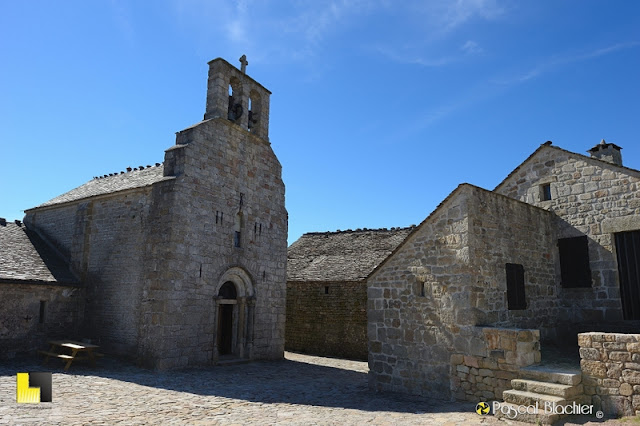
(40, 296)
(181, 263)
(464, 300)
(327, 290)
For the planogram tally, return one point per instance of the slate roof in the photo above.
(342, 255)
(107, 184)
(26, 258)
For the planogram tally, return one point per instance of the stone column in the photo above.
(216, 309)
(241, 326)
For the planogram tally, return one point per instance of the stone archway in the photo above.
(234, 313)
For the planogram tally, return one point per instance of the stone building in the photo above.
(327, 289)
(462, 303)
(184, 262)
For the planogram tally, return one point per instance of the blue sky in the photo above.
(379, 108)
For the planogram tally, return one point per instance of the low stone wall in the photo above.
(482, 378)
(610, 364)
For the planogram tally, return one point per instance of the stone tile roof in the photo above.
(343, 255)
(26, 258)
(113, 182)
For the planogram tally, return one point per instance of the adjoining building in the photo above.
(327, 289)
(553, 249)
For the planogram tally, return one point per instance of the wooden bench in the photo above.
(78, 351)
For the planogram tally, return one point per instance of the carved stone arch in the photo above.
(234, 315)
(241, 278)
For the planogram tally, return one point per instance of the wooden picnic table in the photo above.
(72, 348)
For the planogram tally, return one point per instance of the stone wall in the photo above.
(483, 378)
(425, 301)
(227, 180)
(106, 251)
(610, 364)
(327, 318)
(23, 330)
(590, 197)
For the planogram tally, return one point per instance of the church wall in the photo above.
(590, 198)
(106, 252)
(23, 330)
(327, 318)
(221, 170)
(428, 299)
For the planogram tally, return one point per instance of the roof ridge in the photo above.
(350, 231)
(128, 170)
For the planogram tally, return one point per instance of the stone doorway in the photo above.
(227, 301)
(234, 314)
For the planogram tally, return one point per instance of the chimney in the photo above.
(608, 152)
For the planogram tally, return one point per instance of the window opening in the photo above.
(516, 299)
(574, 262)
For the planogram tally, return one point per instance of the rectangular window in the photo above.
(545, 192)
(42, 308)
(515, 287)
(574, 262)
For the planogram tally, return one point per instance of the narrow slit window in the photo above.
(43, 304)
(516, 299)
(326, 289)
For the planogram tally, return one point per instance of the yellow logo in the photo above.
(482, 408)
(32, 388)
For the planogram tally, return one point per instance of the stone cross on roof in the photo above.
(243, 64)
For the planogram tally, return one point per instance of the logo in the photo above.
(482, 408)
(32, 388)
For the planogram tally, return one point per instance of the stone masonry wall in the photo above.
(221, 170)
(22, 330)
(591, 198)
(327, 318)
(425, 301)
(483, 378)
(106, 249)
(610, 364)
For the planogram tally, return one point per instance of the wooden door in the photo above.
(628, 252)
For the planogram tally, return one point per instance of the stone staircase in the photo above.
(542, 387)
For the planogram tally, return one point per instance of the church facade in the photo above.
(184, 263)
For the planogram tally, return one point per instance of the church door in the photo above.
(227, 301)
(628, 252)
(225, 329)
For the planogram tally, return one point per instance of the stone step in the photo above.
(520, 397)
(570, 377)
(546, 388)
(515, 412)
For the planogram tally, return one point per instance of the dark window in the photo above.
(42, 308)
(236, 239)
(574, 262)
(326, 290)
(515, 286)
(545, 192)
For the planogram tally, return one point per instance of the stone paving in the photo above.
(301, 390)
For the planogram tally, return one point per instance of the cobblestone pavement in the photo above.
(301, 390)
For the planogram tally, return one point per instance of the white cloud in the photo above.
(471, 48)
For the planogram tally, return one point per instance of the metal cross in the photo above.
(243, 64)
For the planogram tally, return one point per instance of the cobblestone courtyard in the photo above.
(303, 390)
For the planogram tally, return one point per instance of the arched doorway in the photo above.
(234, 312)
(227, 300)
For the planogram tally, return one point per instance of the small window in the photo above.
(42, 311)
(326, 289)
(574, 262)
(545, 192)
(516, 299)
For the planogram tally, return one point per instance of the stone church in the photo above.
(175, 264)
